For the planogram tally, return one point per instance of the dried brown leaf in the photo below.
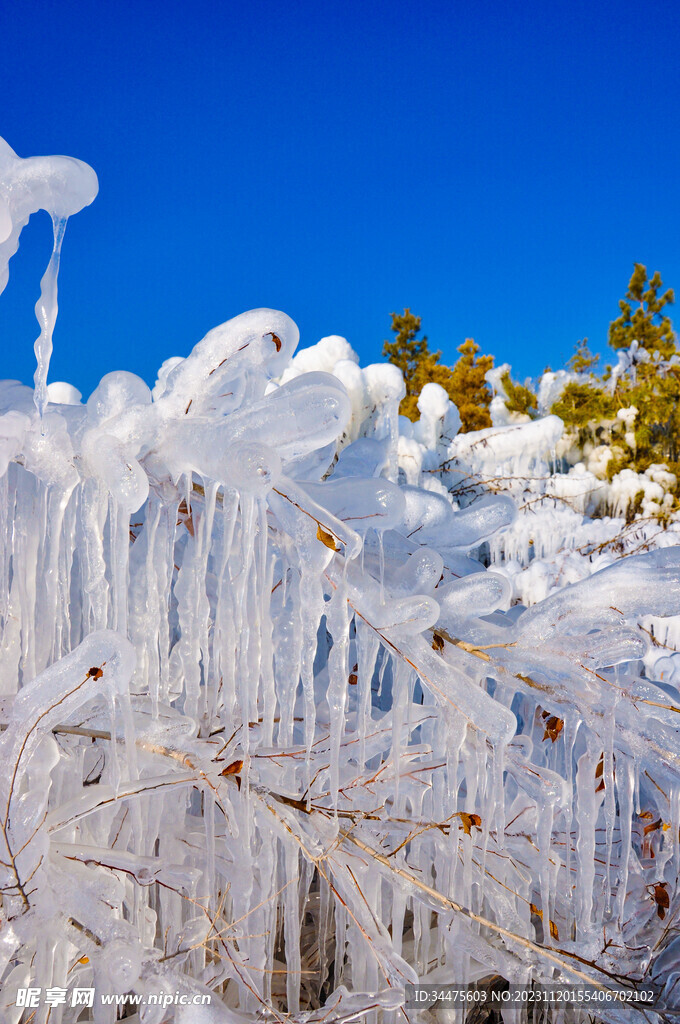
(185, 516)
(551, 924)
(326, 538)
(553, 727)
(468, 820)
(661, 898)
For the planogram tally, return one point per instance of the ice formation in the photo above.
(62, 186)
(302, 702)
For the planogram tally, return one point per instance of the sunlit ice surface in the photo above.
(302, 702)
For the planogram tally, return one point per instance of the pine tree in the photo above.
(407, 350)
(428, 370)
(583, 360)
(647, 324)
(583, 404)
(589, 407)
(520, 398)
(468, 389)
(655, 389)
(464, 382)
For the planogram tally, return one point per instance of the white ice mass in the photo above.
(302, 702)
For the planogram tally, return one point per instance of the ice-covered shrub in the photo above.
(274, 731)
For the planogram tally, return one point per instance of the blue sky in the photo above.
(496, 166)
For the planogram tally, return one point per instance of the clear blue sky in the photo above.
(496, 166)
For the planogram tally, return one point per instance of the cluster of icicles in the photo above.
(272, 733)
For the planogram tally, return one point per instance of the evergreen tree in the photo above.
(654, 389)
(583, 404)
(464, 382)
(647, 324)
(583, 360)
(520, 398)
(589, 407)
(407, 350)
(468, 389)
(428, 370)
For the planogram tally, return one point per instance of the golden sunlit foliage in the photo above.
(464, 382)
(634, 409)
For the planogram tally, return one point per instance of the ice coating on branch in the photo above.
(502, 447)
(302, 701)
(243, 352)
(439, 419)
(62, 186)
(29, 754)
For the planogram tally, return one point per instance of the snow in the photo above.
(551, 386)
(302, 701)
(325, 355)
(61, 393)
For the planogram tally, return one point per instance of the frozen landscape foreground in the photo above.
(302, 703)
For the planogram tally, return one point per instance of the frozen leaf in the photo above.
(551, 924)
(326, 538)
(553, 727)
(599, 772)
(661, 898)
(185, 516)
(468, 820)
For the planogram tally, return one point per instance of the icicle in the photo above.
(46, 313)
(270, 729)
(625, 785)
(338, 673)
